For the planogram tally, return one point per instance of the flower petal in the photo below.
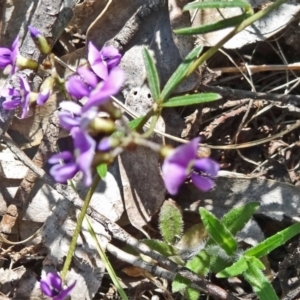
(11, 104)
(5, 57)
(97, 64)
(62, 156)
(111, 56)
(61, 173)
(71, 107)
(86, 147)
(46, 289)
(174, 176)
(43, 97)
(55, 281)
(184, 154)
(76, 87)
(33, 31)
(88, 75)
(202, 183)
(207, 166)
(67, 120)
(65, 293)
(105, 89)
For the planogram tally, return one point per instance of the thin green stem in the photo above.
(78, 227)
(150, 131)
(106, 262)
(209, 53)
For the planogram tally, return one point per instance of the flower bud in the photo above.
(39, 40)
(166, 151)
(101, 125)
(26, 63)
(46, 90)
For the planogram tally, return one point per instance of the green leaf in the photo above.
(274, 241)
(170, 222)
(191, 99)
(179, 283)
(161, 247)
(102, 170)
(236, 219)
(152, 75)
(229, 22)
(181, 72)
(135, 123)
(218, 232)
(200, 263)
(235, 269)
(192, 294)
(217, 4)
(256, 262)
(260, 284)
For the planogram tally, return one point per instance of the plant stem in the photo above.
(209, 53)
(78, 227)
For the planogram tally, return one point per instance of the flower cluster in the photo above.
(52, 287)
(183, 162)
(93, 85)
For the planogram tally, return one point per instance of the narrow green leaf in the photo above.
(161, 247)
(260, 284)
(256, 262)
(217, 4)
(274, 241)
(235, 269)
(152, 75)
(229, 22)
(181, 73)
(191, 99)
(218, 232)
(102, 170)
(170, 222)
(236, 219)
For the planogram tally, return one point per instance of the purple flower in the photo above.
(82, 160)
(106, 88)
(9, 56)
(103, 61)
(72, 115)
(52, 287)
(183, 162)
(81, 86)
(46, 90)
(15, 97)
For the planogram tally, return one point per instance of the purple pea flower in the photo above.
(17, 97)
(8, 56)
(102, 62)
(106, 88)
(72, 115)
(82, 160)
(183, 162)
(81, 86)
(52, 287)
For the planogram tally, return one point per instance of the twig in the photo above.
(233, 94)
(197, 283)
(261, 68)
(132, 26)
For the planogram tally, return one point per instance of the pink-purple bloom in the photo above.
(84, 150)
(183, 162)
(106, 88)
(72, 115)
(52, 287)
(17, 97)
(103, 61)
(8, 56)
